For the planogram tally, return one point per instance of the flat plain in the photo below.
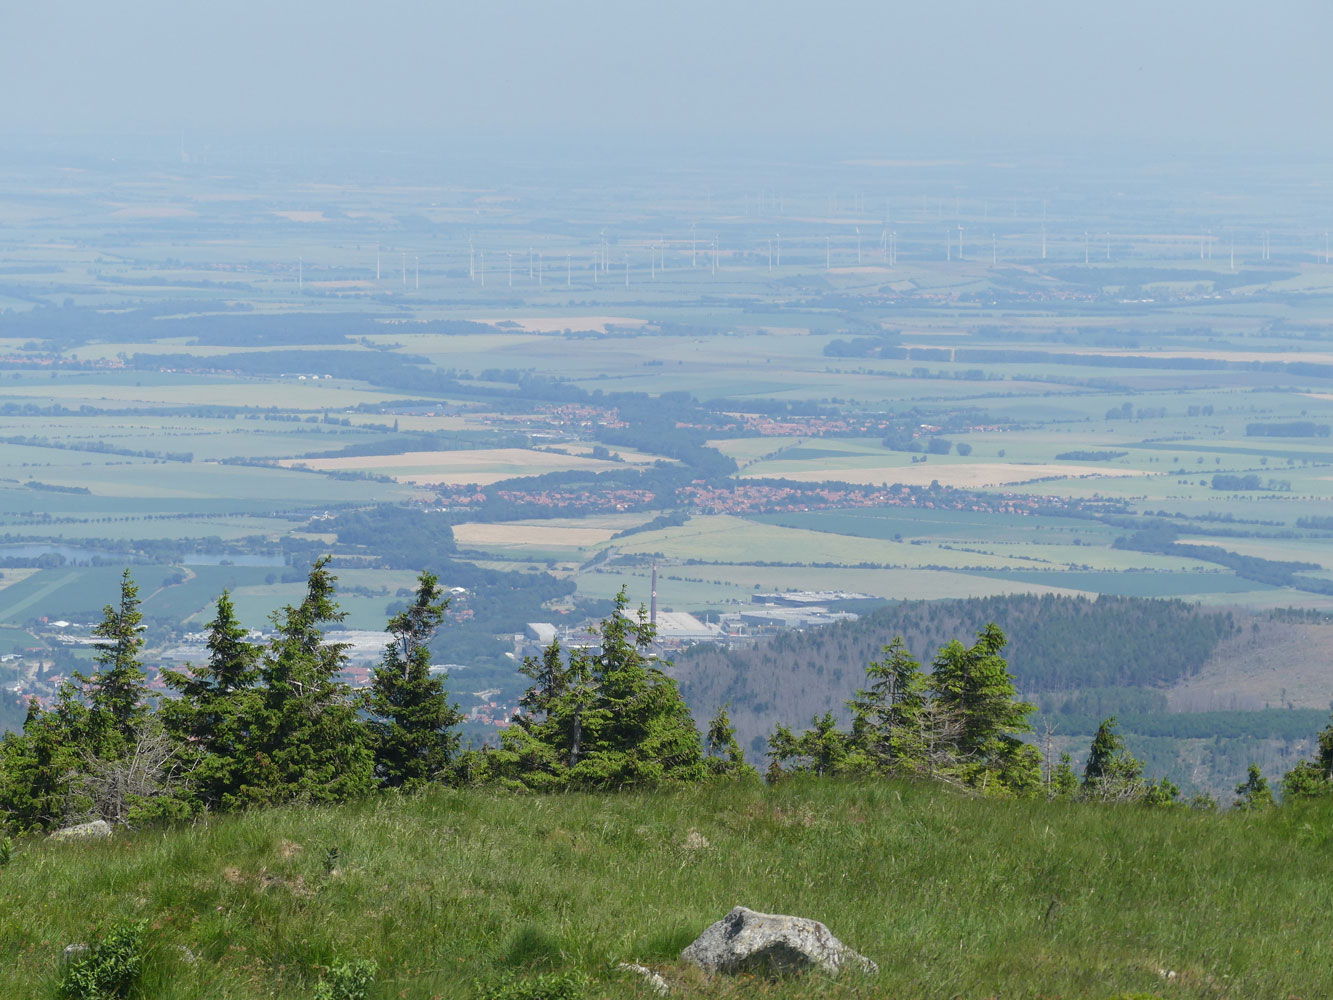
(566, 391)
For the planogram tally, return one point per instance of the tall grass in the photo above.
(454, 893)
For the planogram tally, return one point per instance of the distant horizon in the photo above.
(567, 147)
(1135, 75)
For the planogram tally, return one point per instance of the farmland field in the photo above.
(556, 381)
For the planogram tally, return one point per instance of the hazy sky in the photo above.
(868, 73)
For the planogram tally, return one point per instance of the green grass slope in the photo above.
(449, 892)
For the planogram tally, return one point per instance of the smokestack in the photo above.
(652, 612)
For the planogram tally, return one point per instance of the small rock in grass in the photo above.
(655, 982)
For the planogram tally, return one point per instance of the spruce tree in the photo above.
(886, 714)
(550, 681)
(820, 750)
(116, 692)
(641, 731)
(1312, 778)
(973, 687)
(216, 702)
(1253, 793)
(413, 725)
(725, 758)
(306, 741)
(35, 767)
(547, 736)
(1111, 773)
(1063, 783)
(608, 719)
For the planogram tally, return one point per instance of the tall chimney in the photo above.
(652, 613)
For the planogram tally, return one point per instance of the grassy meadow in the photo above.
(451, 892)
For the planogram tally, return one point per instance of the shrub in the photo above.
(347, 980)
(552, 986)
(110, 969)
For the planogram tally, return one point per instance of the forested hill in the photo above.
(1056, 643)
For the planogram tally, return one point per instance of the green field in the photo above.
(451, 892)
(808, 367)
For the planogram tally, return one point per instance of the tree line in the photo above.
(963, 725)
(264, 724)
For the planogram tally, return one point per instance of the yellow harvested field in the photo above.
(13, 576)
(974, 474)
(481, 466)
(627, 455)
(531, 535)
(558, 324)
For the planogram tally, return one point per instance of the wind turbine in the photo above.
(960, 241)
(858, 246)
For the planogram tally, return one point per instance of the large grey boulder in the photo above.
(747, 941)
(98, 829)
